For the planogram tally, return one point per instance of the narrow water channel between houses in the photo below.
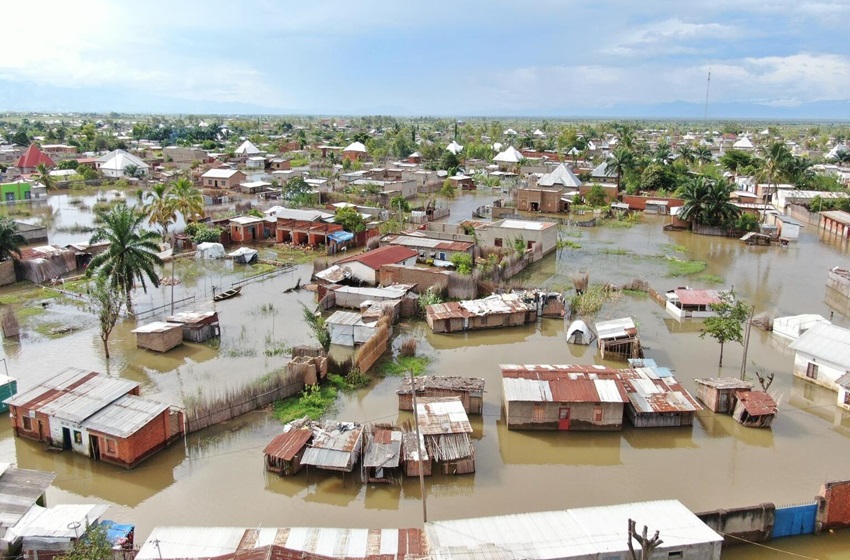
(217, 478)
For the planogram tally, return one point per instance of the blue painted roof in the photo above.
(341, 236)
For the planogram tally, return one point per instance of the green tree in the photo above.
(87, 173)
(93, 545)
(132, 252)
(707, 202)
(448, 190)
(703, 154)
(133, 171)
(317, 324)
(398, 202)
(159, 207)
(449, 162)
(350, 219)
(775, 161)
(657, 177)
(686, 154)
(10, 239)
(621, 160)
(462, 262)
(298, 191)
(186, 199)
(107, 307)
(519, 245)
(43, 177)
(735, 160)
(596, 196)
(725, 326)
(68, 164)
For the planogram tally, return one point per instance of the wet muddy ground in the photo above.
(217, 477)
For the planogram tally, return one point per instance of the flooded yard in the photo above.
(217, 476)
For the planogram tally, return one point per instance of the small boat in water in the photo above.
(227, 294)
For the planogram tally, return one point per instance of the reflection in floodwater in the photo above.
(600, 449)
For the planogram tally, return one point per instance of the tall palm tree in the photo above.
(159, 206)
(686, 153)
(132, 253)
(133, 171)
(10, 239)
(775, 162)
(663, 154)
(707, 202)
(186, 199)
(621, 160)
(44, 177)
(702, 154)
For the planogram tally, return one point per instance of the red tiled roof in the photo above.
(32, 157)
(391, 254)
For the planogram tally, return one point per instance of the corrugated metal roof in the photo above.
(757, 403)
(155, 327)
(395, 291)
(383, 449)
(19, 491)
(615, 328)
(59, 382)
(125, 416)
(327, 458)
(428, 242)
(345, 318)
(578, 388)
(189, 318)
(656, 395)
(583, 532)
(526, 390)
(825, 342)
(385, 255)
(495, 304)
(82, 401)
(56, 522)
(444, 415)
(286, 445)
(689, 296)
(190, 542)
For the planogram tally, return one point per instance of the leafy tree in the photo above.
(448, 190)
(317, 324)
(93, 545)
(398, 202)
(107, 306)
(68, 164)
(132, 252)
(449, 162)
(462, 262)
(159, 207)
(133, 171)
(657, 177)
(298, 191)
(703, 154)
(735, 160)
(10, 239)
(747, 222)
(596, 196)
(520, 245)
(87, 173)
(622, 159)
(707, 202)
(350, 219)
(186, 199)
(43, 177)
(775, 161)
(726, 325)
(203, 233)
(686, 153)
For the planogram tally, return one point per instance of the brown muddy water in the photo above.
(217, 478)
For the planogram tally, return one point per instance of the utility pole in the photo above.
(747, 342)
(172, 282)
(419, 449)
(707, 85)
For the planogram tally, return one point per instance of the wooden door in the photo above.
(564, 418)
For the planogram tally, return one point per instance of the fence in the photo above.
(375, 347)
(790, 521)
(166, 307)
(265, 275)
(202, 413)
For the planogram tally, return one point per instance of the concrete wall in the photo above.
(835, 281)
(826, 373)
(521, 416)
(423, 278)
(754, 523)
(639, 202)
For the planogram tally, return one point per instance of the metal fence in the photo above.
(794, 520)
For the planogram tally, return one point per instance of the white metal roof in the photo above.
(220, 173)
(59, 382)
(190, 542)
(125, 416)
(574, 533)
(826, 342)
(246, 220)
(155, 327)
(614, 328)
(89, 397)
(246, 148)
(528, 390)
(561, 175)
(58, 521)
(509, 155)
(355, 147)
(119, 159)
(522, 224)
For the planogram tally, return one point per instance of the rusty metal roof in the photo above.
(689, 296)
(448, 310)
(286, 445)
(574, 388)
(444, 415)
(446, 383)
(556, 371)
(383, 449)
(376, 258)
(757, 403)
(656, 395)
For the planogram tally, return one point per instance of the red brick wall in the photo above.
(129, 451)
(837, 496)
(639, 202)
(424, 278)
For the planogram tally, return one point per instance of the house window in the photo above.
(27, 423)
(498, 242)
(676, 554)
(812, 371)
(597, 414)
(537, 413)
(847, 397)
(78, 437)
(110, 446)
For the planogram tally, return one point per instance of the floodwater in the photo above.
(216, 477)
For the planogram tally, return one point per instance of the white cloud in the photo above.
(671, 36)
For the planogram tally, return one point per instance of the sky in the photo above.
(772, 59)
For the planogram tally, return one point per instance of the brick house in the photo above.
(222, 178)
(365, 266)
(30, 160)
(94, 415)
(245, 229)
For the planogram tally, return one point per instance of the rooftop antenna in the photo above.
(707, 85)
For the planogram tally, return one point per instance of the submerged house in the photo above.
(688, 302)
(718, 393)
(547, 397)
(754, 409)
(95, 415)
(495, 311)
(349, 329)
(618, 339)
(444, 425)
(283, 454)
(48, 533)
(470, 391)
(336, 446)
(822, 355)
(414, 455)
(793, 326)
(21, 490)
(656, 402)
(158, 336)
(197, 327)
(382, 454)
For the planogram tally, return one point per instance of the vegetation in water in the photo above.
(402, 366)
(567, 244)
(314, 402)
(711, 279)
(676, 267)
(672, 248)
(317, 324)
(591, 300)
(617, 251)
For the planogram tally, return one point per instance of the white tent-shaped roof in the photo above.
(743, 144)
(510, 155)
(454, 147)
(539, 133)
(497, 146)
(247, 149)
(602, 170)
(837, 150)
(579, 333)
(560, 176)
(355, 147)
(118, 160)
(510, 132)
(573, 151)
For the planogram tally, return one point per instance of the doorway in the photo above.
(564, 418)
(94, 445)
(66, 438)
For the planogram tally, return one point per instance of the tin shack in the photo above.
(411, 453)
(445, 427)
(563, 397)
(21, 490)
(470, 391)
(754, 409)
(618, 339)
(718, 393)
(197, 327)
(336, 446)
(283, 454)
(158, 336)
(48, 533)
(495, 311)
(382, 455)
(688, 302)
(349, 329)
(656, 402)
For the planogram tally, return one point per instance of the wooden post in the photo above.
(419, 450)
(747, 342)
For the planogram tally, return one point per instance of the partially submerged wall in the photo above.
(740, 525)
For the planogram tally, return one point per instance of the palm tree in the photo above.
(620, 161)
(159, 207)
(799, 171)
(707, 202)
(775, 163)
(133, 171)
(686, 154)
(186, 199)
(44, 177)
(10, 239)
(132, 253)
(703, 154)
(663, 154)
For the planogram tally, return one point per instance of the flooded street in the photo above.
(217, 477)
